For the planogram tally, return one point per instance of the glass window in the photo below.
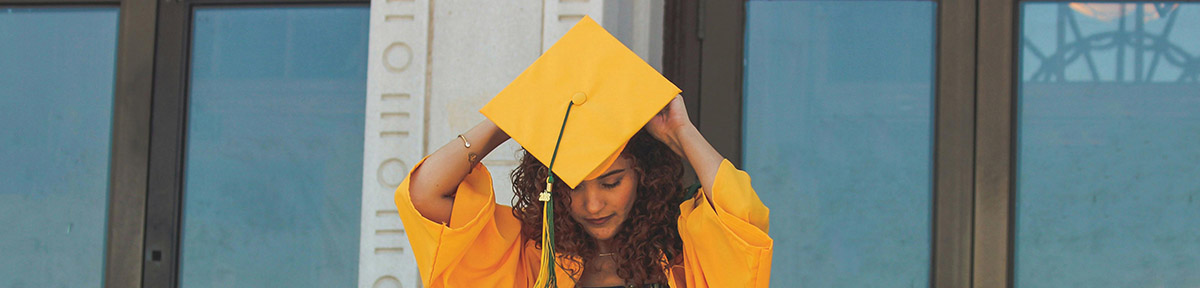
(1108, 159)
(839, 138)
(273, 173)
(57, 69)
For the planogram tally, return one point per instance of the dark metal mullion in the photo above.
(131, 144)
(166, 145)
(994, 142)
(723, 27)
(681, 58)
(954, 151)
(681, 51)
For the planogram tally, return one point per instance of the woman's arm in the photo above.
(726, 244)
(433, 183)
(673, 127)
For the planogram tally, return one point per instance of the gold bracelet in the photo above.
(471, 155)
(466, 144)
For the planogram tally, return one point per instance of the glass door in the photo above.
(57, 74)
(838, 133)
(272, 169)
(1108, 145)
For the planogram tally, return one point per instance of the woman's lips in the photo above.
(598, 221)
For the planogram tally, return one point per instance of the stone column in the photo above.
(397, 70)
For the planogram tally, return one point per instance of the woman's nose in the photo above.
(593, 202)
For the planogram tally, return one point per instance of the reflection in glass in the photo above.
(1109, 42)
(274, 149)
(1108, 193)
(838, 137)
(57, 68)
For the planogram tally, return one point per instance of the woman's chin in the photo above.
(602, 234)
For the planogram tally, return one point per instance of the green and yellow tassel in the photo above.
(546, 273)
(546, 277)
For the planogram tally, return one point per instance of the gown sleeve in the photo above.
(725, 239)
(478, 248)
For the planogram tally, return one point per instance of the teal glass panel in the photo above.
(838, 125)
(1108, 159)
(57, 69)
(273, 165)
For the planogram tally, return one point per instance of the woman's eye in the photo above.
(611, 185)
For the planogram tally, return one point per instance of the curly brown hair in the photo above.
(646, 243)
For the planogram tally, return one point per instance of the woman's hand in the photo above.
(672, 127)
(666, 126)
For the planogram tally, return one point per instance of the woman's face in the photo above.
(601, 205)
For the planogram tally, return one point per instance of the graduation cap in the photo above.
(575, 108)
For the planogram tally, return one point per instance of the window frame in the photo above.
(168, 134)
(145, 176)
(126, 204)
(975, 120)
(995, 143)
(996, 140)
(974, 144)
(703, 45)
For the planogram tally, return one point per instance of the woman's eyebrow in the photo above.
(610, 173)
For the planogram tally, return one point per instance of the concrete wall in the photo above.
(432, 65)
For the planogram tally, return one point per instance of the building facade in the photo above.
(946, 143)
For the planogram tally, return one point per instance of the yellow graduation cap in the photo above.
(575, 108)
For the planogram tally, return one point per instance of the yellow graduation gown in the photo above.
(725, 244)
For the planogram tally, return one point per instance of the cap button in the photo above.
(579, 98)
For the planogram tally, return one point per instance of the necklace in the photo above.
(604, 254)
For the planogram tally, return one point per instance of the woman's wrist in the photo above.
(478, 142)
(698, 152)
(487, 134)
(679, 137)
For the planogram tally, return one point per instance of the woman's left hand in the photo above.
(672, 127)
(665, 126)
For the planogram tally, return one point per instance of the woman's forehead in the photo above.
(622, 162)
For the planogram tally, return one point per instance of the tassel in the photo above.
(546, 275)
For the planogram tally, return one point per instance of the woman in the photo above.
(624, 228)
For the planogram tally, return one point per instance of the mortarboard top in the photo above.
(577, 105)
(614, 94)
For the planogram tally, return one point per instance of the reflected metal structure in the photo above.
(1131, 40)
